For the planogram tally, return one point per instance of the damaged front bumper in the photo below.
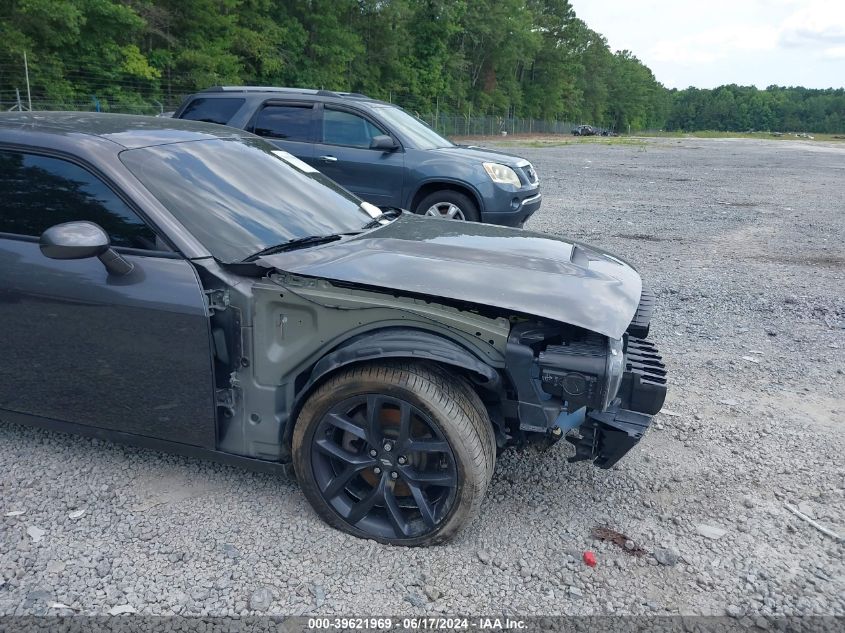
(553, 410)
(604, 437)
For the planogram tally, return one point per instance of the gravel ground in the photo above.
(743, 243)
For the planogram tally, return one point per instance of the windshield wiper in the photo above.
(386, 215)
(299, 242)
(313, 240)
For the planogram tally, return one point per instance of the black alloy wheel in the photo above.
(384, 467)
(400, 453)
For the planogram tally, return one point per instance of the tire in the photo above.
(451, 205)
(474, 399)
(437, 489)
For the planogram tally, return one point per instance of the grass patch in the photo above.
(638, 139)
(560, 141)
(786, 136)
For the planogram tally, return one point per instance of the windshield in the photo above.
(240, 196)
(418, 133)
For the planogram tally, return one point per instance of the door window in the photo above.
(345, 128)
(212, 110)
(38, 192)
(286, 122)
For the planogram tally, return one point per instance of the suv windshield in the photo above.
(240, 196)
(418, 133)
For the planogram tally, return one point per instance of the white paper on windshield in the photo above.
(293, 160)
(372, 209)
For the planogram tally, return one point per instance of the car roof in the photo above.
(125, 130)
(308, 93)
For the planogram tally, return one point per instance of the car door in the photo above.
(344, 155)
(289, 125)
(79, 345)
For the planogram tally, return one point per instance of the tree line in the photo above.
(735, 108)
(524, 58)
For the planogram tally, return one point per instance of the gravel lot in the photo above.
(743, 242)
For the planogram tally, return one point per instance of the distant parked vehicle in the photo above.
(378, 151)
(584, 130)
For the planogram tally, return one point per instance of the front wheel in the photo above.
(448, 205)
(396, 452)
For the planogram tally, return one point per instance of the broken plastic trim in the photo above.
(606, 436)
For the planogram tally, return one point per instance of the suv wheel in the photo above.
(448, 205)
(396, 452)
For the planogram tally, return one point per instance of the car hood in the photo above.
(515, 270)
(478, 155)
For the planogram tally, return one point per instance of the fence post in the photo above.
(26, 72)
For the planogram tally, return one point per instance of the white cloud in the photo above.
(834, 52)
(705, 44)
(714, 44)
(817, 25)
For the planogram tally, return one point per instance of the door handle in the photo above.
(328, 159)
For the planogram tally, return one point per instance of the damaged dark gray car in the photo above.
(188, 287)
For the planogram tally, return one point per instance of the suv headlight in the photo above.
(502, 174)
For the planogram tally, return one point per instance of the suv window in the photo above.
(38, 192)
(289, 122)
(212, 110)
(344, 128)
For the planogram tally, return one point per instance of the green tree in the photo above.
(521, 58)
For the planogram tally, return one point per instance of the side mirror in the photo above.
(74, 240)
(384, 143)
(81, 240)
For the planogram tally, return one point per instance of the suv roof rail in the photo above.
(306, 91)
(258, 89)
(356, 95)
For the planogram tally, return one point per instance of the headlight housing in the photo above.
(502, 174)
(614, 371)
(585, 373)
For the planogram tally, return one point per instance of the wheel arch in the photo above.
(431, 186)
(397, 343)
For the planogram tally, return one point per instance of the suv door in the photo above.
(81, 346)
(289, 125)
(344, 155)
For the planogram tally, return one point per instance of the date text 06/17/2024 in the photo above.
(415, 624)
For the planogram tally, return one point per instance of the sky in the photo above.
(715, 42)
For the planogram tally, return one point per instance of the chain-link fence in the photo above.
(94, 105)
(20, 89)
(457, 125)
(456, 117)
(445, 124)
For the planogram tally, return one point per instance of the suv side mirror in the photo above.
(81, 240)
(384, 142)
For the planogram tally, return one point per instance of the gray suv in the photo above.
(378, 151)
